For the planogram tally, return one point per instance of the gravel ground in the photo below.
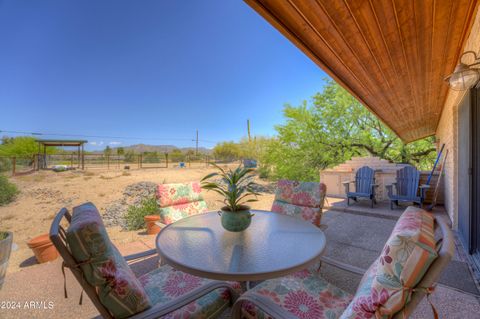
(44, 193)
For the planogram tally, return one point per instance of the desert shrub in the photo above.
(5, 164)
(8, 191)
(130, 157)
(3, 235)
(264, 171)
(135, 214)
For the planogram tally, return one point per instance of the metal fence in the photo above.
(17, 165)
(25, 165)
(107, 162)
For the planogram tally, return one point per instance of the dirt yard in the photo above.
(44, 193)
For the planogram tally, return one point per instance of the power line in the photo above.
(107, 137)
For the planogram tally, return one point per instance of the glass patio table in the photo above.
(274, 245)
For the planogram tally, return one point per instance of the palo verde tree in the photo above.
(330, 130)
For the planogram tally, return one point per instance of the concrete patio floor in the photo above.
(355, 235)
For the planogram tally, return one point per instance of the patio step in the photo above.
(381, 210)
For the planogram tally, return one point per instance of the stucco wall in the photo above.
(447, 130)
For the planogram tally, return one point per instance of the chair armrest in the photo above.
(424, 186)
(346, 185)
(161, 309)
(143, 254)
(375, 185)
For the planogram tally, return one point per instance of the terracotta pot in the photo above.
(43, 248)
(150, 220)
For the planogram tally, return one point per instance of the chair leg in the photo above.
(348, 201)
(372, 203)
(391, 205)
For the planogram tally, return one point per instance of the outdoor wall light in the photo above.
(464, 77)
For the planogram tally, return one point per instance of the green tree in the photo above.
(21, 146)
(130, 157)
(107, 151)
(176, 155)
(332, 129)
(227, 151)
(120, 151)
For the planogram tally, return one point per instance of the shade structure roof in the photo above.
(61, 142)
(392, 55)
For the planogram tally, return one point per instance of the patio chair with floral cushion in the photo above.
(178, 201)
(112, 286)
(407, 270)
(302, 199)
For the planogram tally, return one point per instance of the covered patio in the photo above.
(393, 57)
(43, 144)
(355, 239)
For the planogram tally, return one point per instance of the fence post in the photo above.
(108, 161)
(14, 164)
(166, 159)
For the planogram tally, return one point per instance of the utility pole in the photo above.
(196, 146)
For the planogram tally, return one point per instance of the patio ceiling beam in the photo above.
(392, 55)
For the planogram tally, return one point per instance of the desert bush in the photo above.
(8, 191)
(135, 214)
(5, 164)
(130, 157)
(227, 151)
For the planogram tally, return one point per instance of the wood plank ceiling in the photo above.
(392, 55)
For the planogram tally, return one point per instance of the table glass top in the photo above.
(272, 243)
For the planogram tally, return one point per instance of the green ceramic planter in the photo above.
(236, 221)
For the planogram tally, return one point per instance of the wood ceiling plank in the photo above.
(392, 55)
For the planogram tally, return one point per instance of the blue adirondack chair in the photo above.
(406, 187)
(364, 185)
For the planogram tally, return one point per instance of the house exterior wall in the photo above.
(447, 130)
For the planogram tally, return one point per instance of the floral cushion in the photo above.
(303, 199)
(407, 255)
(365, 300)
(305, 296)
(103, 266)
(165, 284)
(178, 201)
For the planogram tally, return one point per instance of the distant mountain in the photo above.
(140, 148)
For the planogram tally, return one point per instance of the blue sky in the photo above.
(156, 70)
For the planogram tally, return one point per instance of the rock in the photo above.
(133, 195)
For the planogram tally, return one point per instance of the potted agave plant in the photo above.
(236, 188)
